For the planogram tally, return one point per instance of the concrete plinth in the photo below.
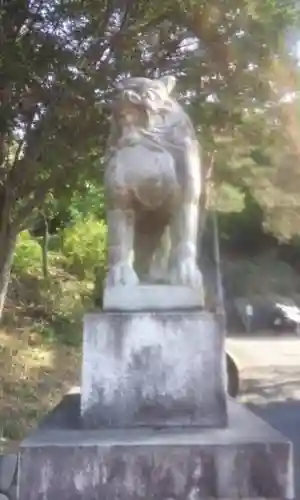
(247, 460)
(156, 369)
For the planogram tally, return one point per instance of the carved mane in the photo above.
(162, 117)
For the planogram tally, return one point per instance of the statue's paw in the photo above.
(186, 273)
(121, 274)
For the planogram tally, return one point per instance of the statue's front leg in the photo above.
(183, 268)
(120, 247)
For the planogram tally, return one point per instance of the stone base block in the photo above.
(247, 460)
(8, 476)
(152, 298)
(156, 369)
(8, 469)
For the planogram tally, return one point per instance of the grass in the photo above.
(34, 376)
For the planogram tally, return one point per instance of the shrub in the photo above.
(84, 246)
(27, 256)
(65, 301)
(54, 307)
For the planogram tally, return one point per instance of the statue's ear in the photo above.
(169, 82)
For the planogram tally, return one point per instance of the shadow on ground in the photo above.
(275, 399)
(285, 417)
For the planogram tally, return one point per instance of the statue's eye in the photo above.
(150, 94)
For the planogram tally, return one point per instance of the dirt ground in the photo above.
(34, 375)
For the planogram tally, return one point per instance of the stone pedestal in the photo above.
(8, 476)
(157, 369)
(248, 460)
(152, 298)
(152, 421)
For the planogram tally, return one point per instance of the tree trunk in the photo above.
(220, 290)
(205, 200)
(7, 247)
(45, 244)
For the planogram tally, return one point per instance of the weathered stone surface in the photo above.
(248, 460)
(159, 369)
(8, 466)
(151, 298)
(153, 187)
(12, 493)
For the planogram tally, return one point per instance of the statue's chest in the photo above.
(149, 175)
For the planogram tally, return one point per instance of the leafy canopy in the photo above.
(59, 62)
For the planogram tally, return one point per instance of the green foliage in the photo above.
(242, 232)
(84, 246)
(53, 307)
(59, 213)
(59, 64)
(229, 198)
(27, 256)
(60, 61)
(65, 299)
(87, 201)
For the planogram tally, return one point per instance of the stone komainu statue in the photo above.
(153, 185)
